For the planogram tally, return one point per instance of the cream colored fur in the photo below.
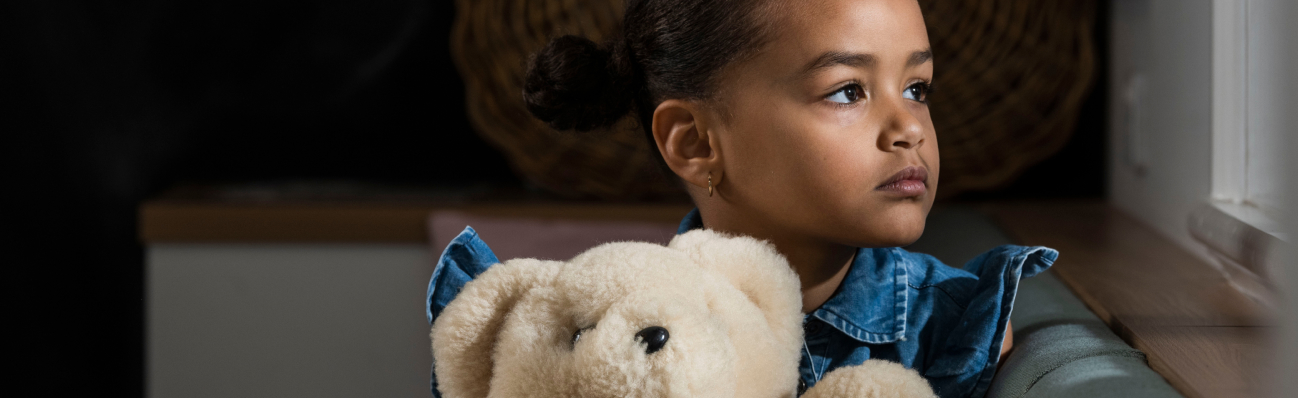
(731, 306)
(874, 378)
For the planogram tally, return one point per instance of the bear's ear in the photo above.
(756, 269)
(464, 335)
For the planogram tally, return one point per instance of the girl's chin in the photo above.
(895, 236)
(906, 238)
(900, 227)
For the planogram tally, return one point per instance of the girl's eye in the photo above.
(848, 94)
(917, 92)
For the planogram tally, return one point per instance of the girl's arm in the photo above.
(1009, 341)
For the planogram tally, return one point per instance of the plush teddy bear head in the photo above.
(705, 316)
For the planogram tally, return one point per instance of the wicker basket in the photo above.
(1012, 75)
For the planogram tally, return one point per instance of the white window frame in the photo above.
(1240, 233)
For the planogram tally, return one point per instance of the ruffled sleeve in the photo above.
(464, 258)
(976, 338)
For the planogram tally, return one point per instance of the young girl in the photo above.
(804, 123)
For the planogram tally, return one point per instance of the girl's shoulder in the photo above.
(948, 323)
(890, 293)
(959, 316)
(994, 269)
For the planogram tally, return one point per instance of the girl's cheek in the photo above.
(840, 116)
(846, 118)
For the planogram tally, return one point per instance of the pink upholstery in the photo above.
(542, 238)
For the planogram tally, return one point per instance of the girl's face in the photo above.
(826, 131)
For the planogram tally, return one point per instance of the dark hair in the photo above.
(668, 49)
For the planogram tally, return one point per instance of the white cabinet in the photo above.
(287, 320)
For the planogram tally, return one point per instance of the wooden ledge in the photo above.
(211, 215)
(1206, 338)
(354, 222)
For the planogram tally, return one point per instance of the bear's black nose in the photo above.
(655, 337)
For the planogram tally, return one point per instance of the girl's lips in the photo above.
(910, 181)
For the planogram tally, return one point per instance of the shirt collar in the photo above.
(870, 305)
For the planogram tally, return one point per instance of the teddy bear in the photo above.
(708, 315)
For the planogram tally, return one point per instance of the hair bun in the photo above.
(573, 84)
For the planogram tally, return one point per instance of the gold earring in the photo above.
(709, 185)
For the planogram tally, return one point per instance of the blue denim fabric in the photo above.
(464, 259)
(944, 322)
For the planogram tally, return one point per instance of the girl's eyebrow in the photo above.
(858, 60)
(919, 57)
(834, 58)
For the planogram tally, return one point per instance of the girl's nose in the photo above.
(900, 128)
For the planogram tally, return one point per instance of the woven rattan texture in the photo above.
(1011, 78)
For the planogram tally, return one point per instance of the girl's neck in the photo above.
(820, 268)
(820, 265)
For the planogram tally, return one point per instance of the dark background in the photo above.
(106, 105)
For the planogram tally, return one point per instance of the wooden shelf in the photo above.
(264, 215)
(1206, 338)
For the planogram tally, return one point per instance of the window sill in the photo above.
(1243, 241)
(1198, 331)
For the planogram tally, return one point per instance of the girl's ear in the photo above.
(464, 335)
(686, 137)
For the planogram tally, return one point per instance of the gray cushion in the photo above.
(1061, 349)
(1044, 299)
(1102, 376)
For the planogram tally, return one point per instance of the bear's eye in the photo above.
(654, 337)
(577, 335)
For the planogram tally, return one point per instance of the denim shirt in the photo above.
(947, 323)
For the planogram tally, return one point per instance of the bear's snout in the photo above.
(654, 337)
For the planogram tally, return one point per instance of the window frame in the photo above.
(1240, 233)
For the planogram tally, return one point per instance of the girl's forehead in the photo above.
(879, 27)
(889, 33)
